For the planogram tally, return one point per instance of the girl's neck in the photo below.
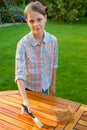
(39, 38)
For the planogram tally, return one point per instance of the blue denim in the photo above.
(45, 92)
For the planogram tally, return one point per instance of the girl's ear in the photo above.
(26, 21)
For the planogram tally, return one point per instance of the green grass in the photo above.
(72, 71)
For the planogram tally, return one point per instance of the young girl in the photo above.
(36, 55)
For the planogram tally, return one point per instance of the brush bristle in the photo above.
(40, 125)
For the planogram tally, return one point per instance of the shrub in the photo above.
(6, 17)
(66, 10)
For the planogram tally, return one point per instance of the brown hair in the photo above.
(34, 6)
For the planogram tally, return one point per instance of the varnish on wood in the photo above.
(53, 112)
(39, 124)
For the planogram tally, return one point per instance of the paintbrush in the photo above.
(39, 124)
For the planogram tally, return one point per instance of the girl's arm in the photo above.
(21, 86)
(53, 88)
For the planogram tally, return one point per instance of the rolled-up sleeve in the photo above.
(20, 63)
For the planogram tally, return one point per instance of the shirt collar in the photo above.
(33, 41)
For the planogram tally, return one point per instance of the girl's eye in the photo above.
(31, 21)
(39, 19)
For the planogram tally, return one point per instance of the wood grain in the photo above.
(55, 113)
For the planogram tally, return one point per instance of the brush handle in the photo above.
(26, 109)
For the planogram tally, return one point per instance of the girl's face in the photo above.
(36, 22)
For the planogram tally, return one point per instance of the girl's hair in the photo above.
(34, 6)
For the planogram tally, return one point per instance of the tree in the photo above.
(67, 10)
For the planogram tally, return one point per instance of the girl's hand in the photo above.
(26, 103)
(52, 90)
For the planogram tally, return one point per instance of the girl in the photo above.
(36, 55)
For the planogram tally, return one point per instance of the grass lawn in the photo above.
(72, 71)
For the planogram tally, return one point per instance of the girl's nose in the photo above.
(35, 23)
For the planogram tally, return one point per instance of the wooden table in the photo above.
(44, 107)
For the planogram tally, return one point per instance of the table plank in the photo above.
(16, 122)
(11, 104)
(78, 122)
(9, 126)
(82, 122)
(9, 92)
(57, 101)
(80, 127)
(84, 117)
(45, 108)
(2, 128)
(16, 112)
(45, 112)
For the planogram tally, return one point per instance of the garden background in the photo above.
(71, 82)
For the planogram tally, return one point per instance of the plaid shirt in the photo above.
(35, 61)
